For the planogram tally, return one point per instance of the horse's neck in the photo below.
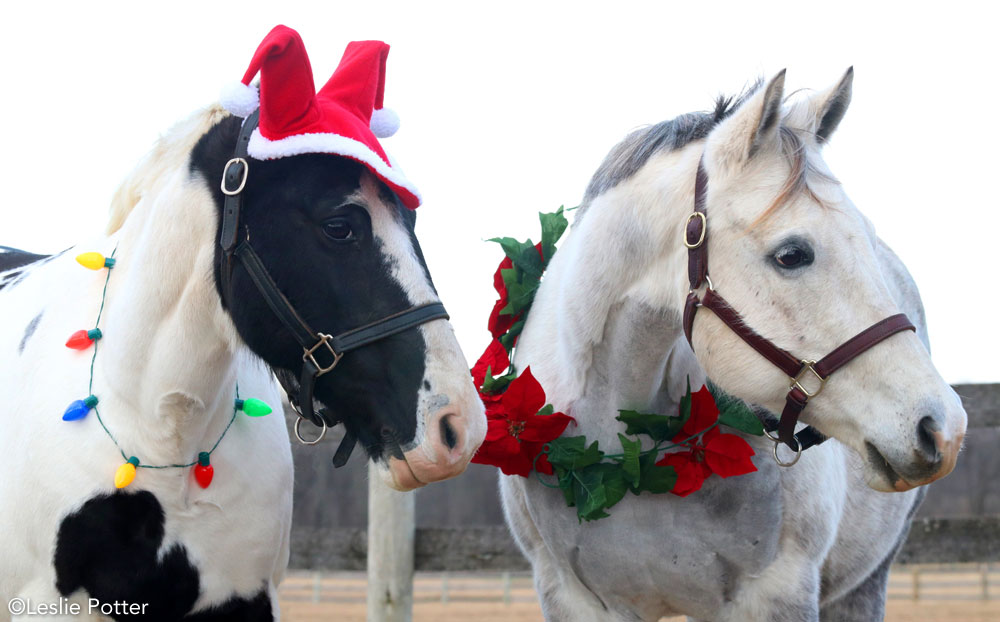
(168, 356)
(642, 363)
(605, 330)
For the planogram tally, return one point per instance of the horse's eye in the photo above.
(791, 256)
(338, 229)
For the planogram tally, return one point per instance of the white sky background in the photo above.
(507, 109)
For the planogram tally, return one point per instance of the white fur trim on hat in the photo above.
(240, 99)
(384, 123)
(263, 149)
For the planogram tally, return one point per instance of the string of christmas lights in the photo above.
(79, 409)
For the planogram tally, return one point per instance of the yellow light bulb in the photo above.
(126, 473)
(94, 261)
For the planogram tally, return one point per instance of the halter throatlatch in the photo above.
(320, 352)
(806, 377)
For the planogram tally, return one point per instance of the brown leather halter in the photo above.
(696, 241)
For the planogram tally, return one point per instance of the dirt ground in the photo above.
(952, 594)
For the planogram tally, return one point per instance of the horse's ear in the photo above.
(753, 127)
(835, 103)
(821, 113)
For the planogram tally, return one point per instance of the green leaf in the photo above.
(548, 409)
(735, 413)
(630, 462)
(566, 485)
(496, 385)
(511, 247)
(507, 339)
(572, 453)
(658, 427)
(685, 408)
(615, 485)
(530, 262)
(520, 296)
(591, 496)
(657, 479)
(553, 226)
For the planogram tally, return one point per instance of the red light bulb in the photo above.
(83, 339)
(203, 471)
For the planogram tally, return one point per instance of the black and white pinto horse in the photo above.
(806, 270)
(341, 248)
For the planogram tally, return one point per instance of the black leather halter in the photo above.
(321, 352)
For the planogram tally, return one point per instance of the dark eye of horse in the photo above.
(339, 230)
(792, 256)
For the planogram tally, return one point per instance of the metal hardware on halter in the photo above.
(704, 228)
(777, 441)
(324, 340)
(225, 173)
(796, 382)
(298, 434)
(779, 461)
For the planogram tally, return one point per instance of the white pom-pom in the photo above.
(240, 99)
(384, 123)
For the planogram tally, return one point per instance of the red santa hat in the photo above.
(343, 118)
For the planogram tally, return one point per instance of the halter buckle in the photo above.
(324, 340)
(704, 229)
(225, 173)
(807, 366)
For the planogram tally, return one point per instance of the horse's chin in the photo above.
(400, 476)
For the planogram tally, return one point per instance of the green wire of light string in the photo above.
(90, 391)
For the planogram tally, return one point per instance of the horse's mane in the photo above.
(169, 153)
(632, 153)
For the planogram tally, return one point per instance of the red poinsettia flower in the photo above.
(500, 324)
(704, 414)
(495, 359)
(516, 433)
(726, 455)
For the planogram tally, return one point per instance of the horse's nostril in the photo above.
(448, 434)
(925, 439)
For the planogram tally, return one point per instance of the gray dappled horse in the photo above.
(806, 270)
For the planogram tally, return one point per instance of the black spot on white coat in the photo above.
(29, 331)
(109, 547)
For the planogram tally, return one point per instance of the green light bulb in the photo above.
(253, 407)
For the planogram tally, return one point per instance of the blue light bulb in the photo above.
(79, 408)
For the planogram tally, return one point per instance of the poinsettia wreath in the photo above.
(525, 434)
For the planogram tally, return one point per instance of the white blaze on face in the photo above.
(451, 422)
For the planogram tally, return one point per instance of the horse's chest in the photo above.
(118, 548)
(692, 554)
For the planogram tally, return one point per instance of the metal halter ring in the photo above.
(298, 433)
(798, 453)
(243, 182)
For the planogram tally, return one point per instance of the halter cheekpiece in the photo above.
(321, 352)
(801, 372)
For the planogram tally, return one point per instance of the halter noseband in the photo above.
(321, 352)
(797, 370)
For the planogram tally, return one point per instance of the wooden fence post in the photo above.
(390, 551)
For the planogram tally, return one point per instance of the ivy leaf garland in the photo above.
(525, 434)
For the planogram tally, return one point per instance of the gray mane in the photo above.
(628, 156)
